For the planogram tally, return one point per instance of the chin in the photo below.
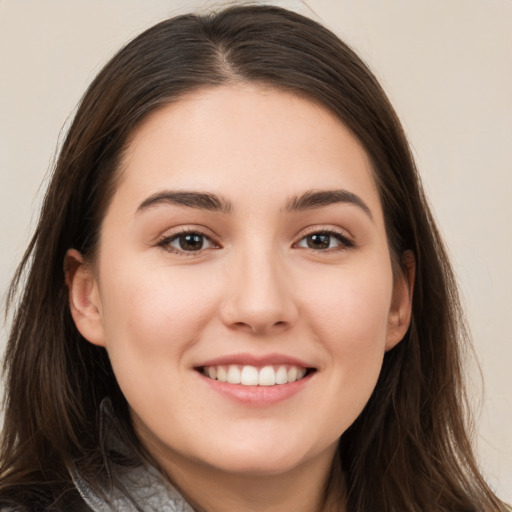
(262, 456)
(257, 465)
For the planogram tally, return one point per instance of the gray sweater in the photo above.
(137, 488)
(145, 489)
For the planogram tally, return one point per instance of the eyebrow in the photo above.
(199, 200)
(319, 198)
(206, 201)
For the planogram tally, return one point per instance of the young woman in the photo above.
(236, 297)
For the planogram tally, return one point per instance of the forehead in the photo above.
(244, 140)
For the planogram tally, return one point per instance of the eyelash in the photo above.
(344, 242)
(165, 243)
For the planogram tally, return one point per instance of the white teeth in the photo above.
(249, 376)
(292, 374)
(252, 376)
(233, 374)
(267, 376)
(281, 375)
(222, 376)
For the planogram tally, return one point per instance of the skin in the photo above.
(255, 287)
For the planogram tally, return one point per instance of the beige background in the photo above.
(447, 66)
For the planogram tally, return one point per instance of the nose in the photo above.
(259, 296)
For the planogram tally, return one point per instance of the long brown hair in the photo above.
(409, 449)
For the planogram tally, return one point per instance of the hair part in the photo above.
(409, 448)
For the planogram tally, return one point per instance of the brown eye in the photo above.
(190, 242)
(324, 240)
(318, 241)
(187, 242)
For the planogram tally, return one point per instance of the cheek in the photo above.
(348, 313)
(151, 318)
(350, 307)
(155, 312)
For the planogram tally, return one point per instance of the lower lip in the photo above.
(262, 396)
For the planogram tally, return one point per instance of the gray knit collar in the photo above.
(141, 488)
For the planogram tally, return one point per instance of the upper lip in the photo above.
(255, 360)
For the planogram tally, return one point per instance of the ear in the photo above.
(401, 302)
(84, 297)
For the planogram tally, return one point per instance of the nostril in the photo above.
(260, 326)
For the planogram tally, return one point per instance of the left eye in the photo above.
(323, 241)
(187, 242)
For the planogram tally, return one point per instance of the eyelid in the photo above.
(346, 241)
(165, 240)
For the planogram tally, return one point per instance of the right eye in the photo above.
(187, 242)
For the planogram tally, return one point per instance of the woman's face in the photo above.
(246, 242)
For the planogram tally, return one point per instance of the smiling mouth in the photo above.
(247, 375)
